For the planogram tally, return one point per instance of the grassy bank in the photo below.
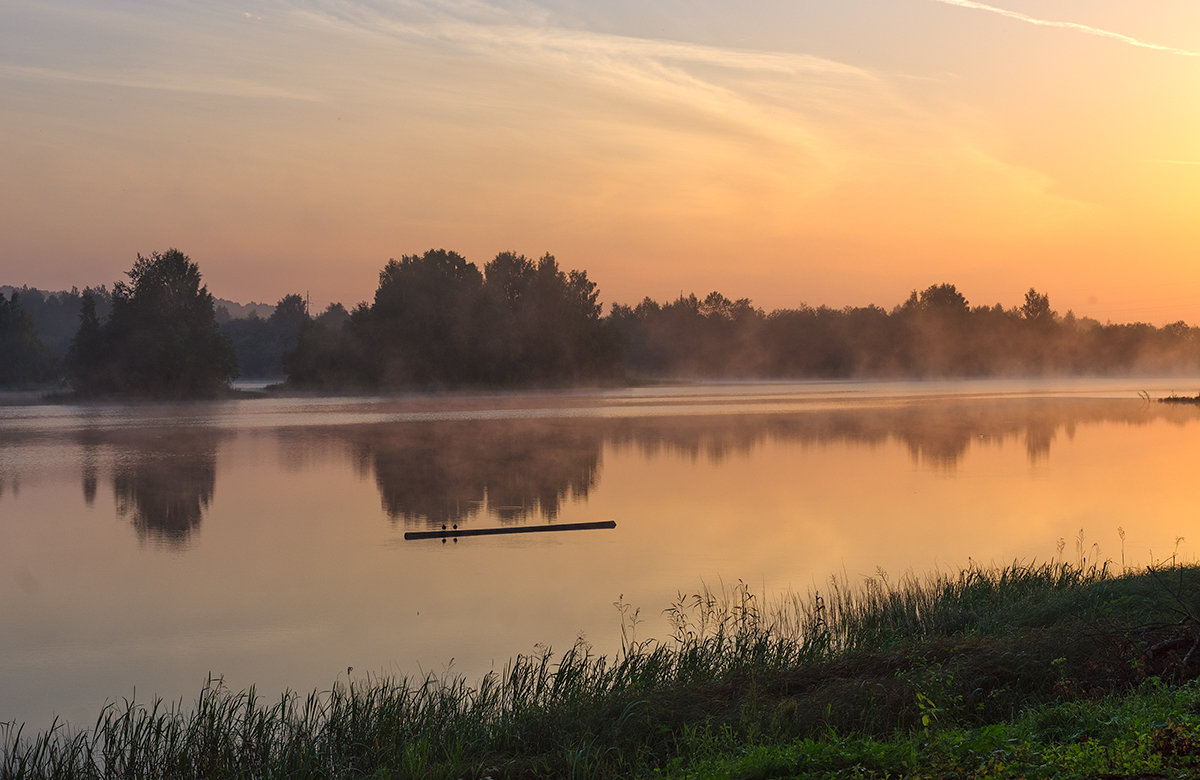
(1050, 670)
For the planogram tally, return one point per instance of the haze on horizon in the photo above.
(830, 153)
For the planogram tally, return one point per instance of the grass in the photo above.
(1040, 670)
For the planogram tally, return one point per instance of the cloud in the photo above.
(199, 85)
(1083, 28)
(507, 37)
(811, 121)
(780, 97)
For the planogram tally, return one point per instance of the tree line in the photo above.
(439, 321)
(933, 333)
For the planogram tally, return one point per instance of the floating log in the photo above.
(447, 533)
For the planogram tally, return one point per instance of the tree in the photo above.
(944, 300)
(261, 344)
(331, 350)
(437, 321)
(86, 355)
(55, 315)
(334, 316)
(23, 359)
(545, 324)
(509, 276)
(424, 326)
(161, 339)
(289, 316)
(1037, 308)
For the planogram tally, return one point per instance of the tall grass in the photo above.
(729, 663)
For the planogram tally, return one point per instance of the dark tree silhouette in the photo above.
(424, 326)
(161, 339)
(23, 359)
(544, 324)
(56, 314)
(438, 322)
(289, 316)
(86, 358)
(331, 351)
(1037, 308)
(262, 344)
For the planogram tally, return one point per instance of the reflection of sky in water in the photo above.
(147, 546)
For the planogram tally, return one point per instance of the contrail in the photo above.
(1083, 28)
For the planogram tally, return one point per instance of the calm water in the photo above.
(144, 547)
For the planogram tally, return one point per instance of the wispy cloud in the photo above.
(817, 120)
(1076, 26)
(198, 85)
(777, 96)
(493, 31)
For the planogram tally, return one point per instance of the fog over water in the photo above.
(145, 546)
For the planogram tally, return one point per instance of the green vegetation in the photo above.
(1052, 670)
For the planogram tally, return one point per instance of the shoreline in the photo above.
(1163, 388)
(948, 673)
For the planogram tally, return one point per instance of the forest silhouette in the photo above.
(438, 321)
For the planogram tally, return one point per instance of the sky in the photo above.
(837, 153)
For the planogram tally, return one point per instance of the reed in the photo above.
(957, 648)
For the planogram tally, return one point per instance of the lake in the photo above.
(144, 547)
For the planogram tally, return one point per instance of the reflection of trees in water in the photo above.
(452, 471)
(91, 477)
(447, 472)
(934, 434)
(163, 484)
(712, 437)
(1039, 435)
(298, 450)
(943, 434)
(9, 484)
(11, 463)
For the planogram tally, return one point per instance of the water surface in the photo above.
(144, 547)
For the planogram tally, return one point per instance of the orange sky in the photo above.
(829, 153)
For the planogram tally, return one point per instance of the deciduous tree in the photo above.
(161, 339)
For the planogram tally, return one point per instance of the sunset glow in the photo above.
(822, 153)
